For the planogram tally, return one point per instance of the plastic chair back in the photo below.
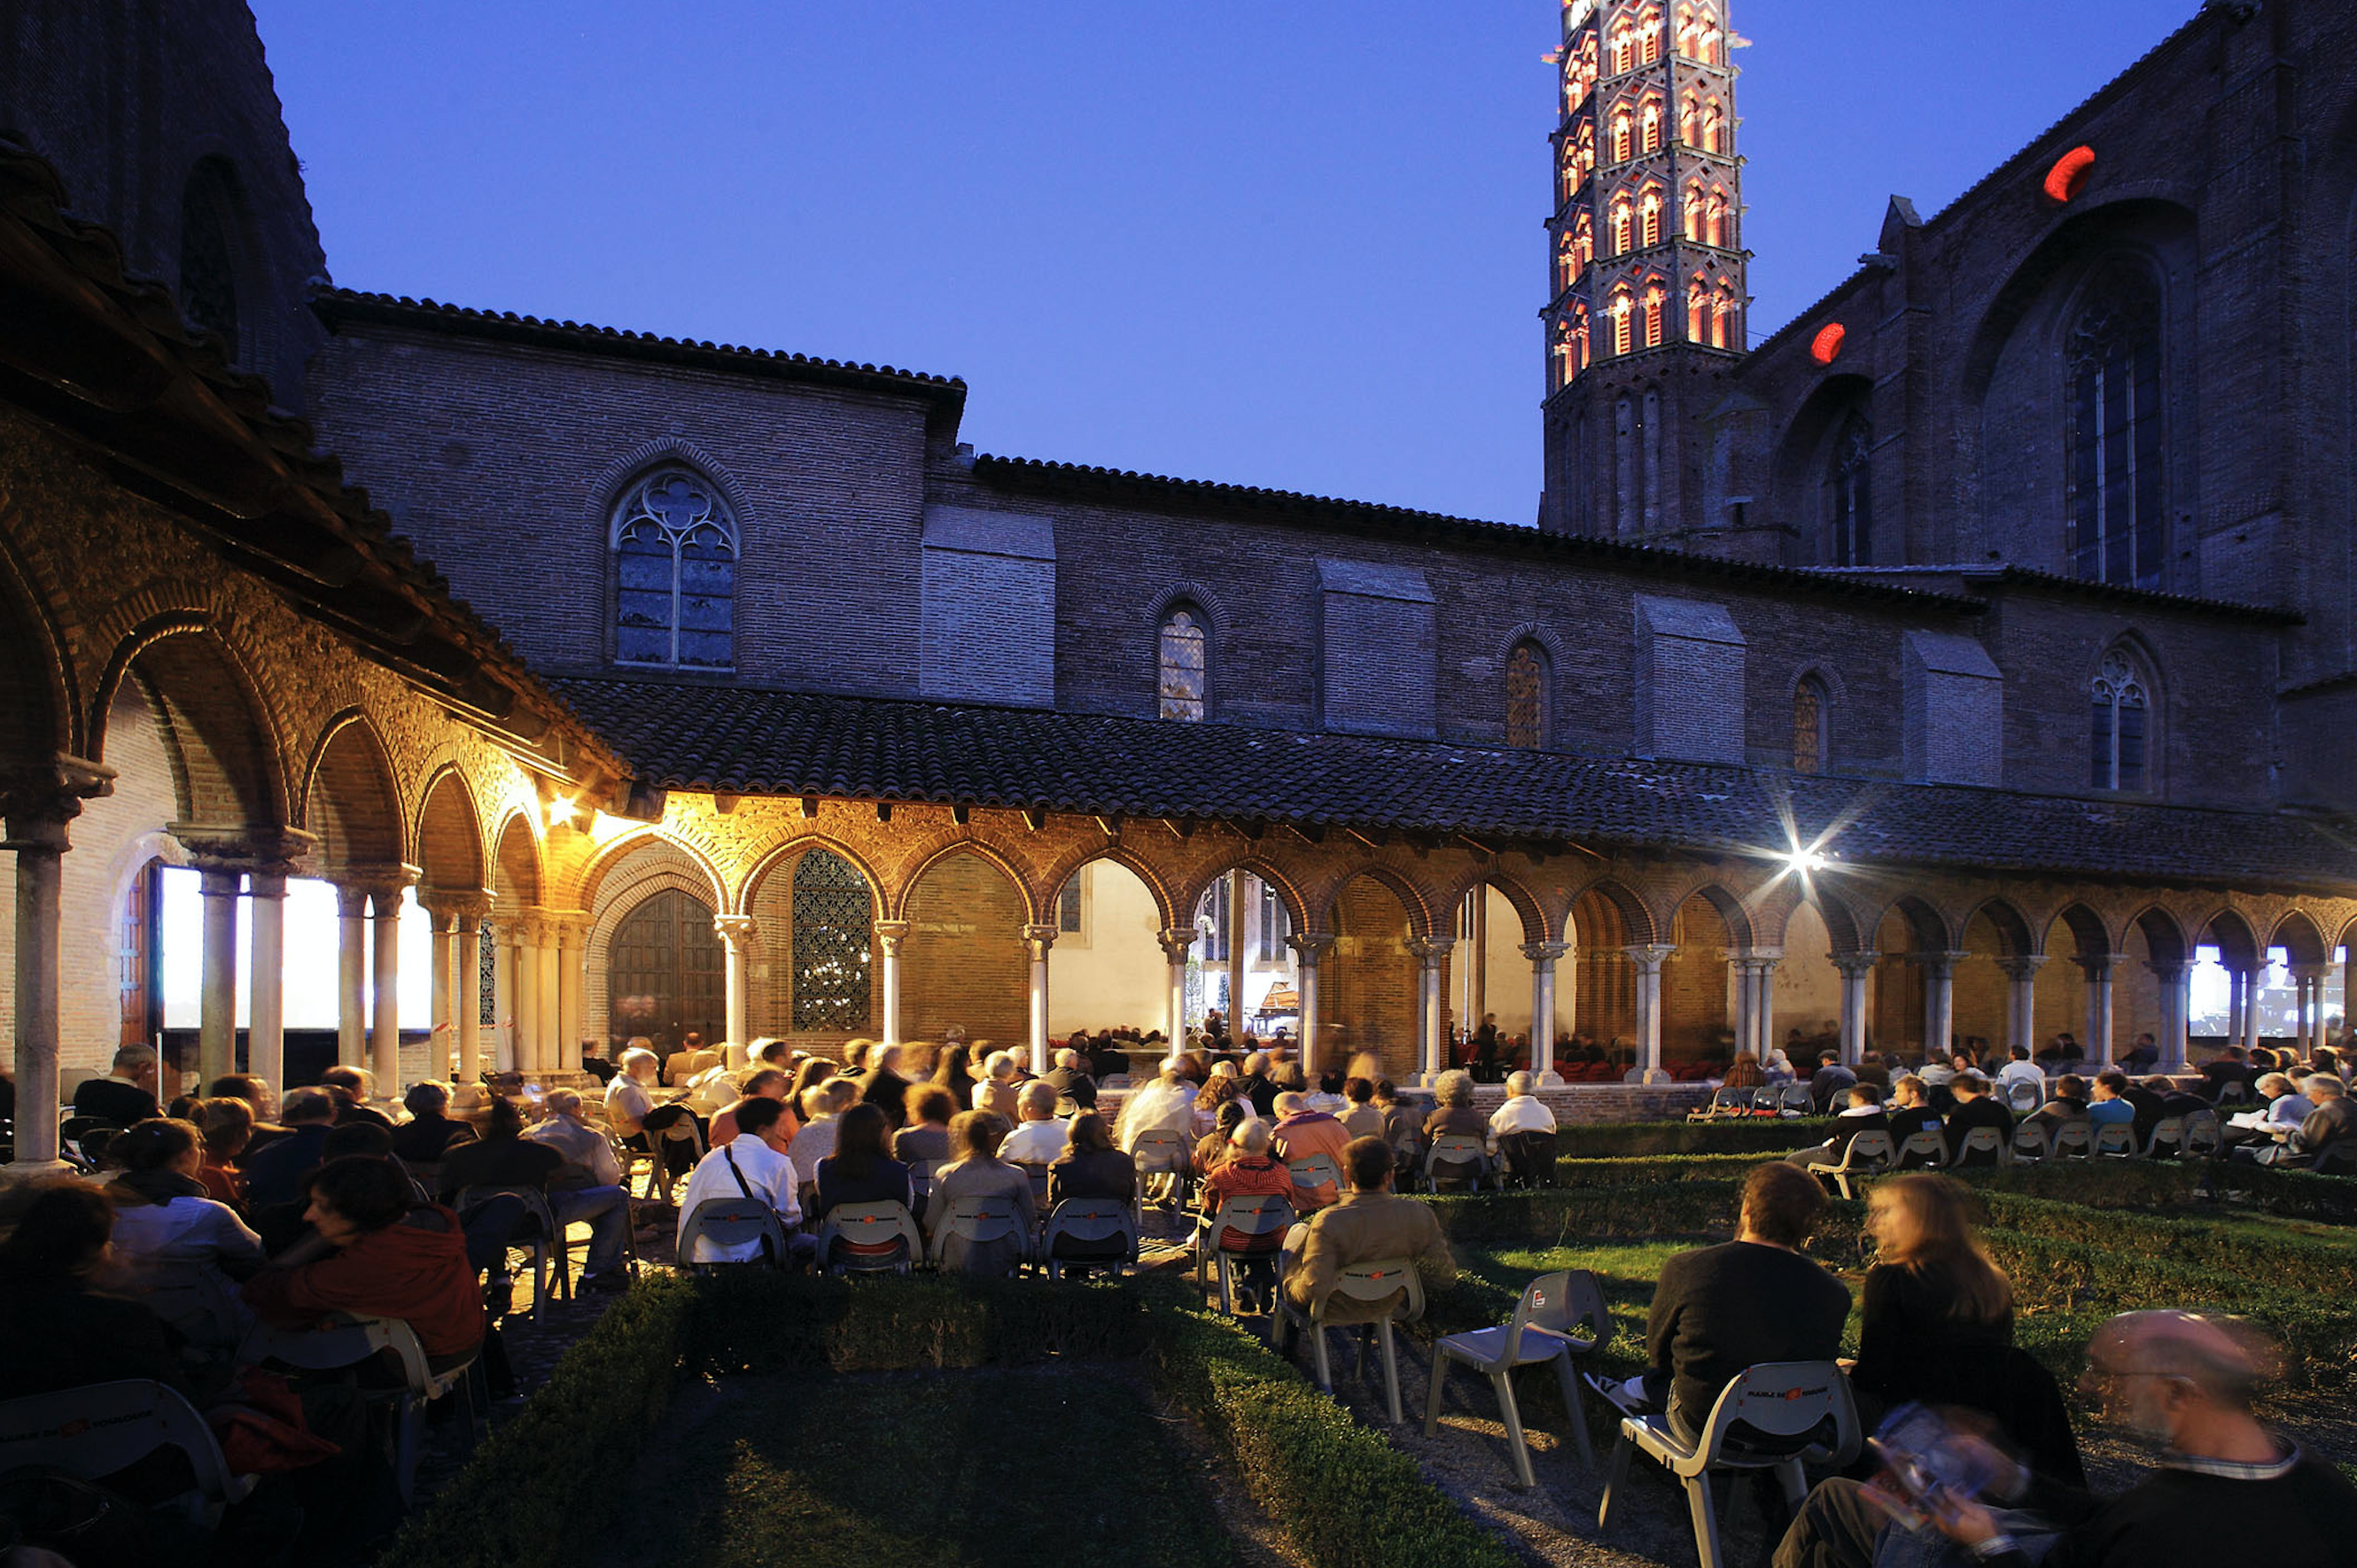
(1926, 1149)
(1259, 1221)
(2029, 1141)
(2115, 1139)
(731, 1222)
(1087, 1219)
(1781, 1410)
(2074, 1141)
(99, 1428)
(1986, 1140)
(879, 1235)
(2167, 1139)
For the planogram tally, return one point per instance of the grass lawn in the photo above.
(967, 1469)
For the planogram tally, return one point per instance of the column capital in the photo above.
(1648, 956)
(1544, 953)
(1039, 939)
(891, 933)
(2022, 966)
(1309, 946)
(1433, 950)
(37, 800)
(1177, 941)
(1853, 964)
(735, 929)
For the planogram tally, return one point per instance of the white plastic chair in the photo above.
(1375, 1281)
(99, 1428)
(1869, 1153)
(1560, 1317)
(878, 1237)
(1773, 1416)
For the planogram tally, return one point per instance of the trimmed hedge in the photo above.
(1343, 1495)
(1740, 1135)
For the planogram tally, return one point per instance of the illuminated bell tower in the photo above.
(1646, 294)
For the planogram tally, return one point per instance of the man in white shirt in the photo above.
(755, 1165)
(1522, 1111)
(2021, 1069)
(1040, 1136)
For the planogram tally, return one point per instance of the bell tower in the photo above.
(1645, 274)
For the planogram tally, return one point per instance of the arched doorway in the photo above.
(667, 972)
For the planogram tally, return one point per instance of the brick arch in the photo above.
(619, 852)
(516, 874)
(224, 746)
(349, 796)
(1299, 907)
(1062, 869)
(1637, 918)
(449, 842)
(779, 857)
(2014, 936)
(1537, 927)
(2296, 933)
(1032, 903)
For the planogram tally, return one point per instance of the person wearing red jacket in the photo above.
(376, 1252)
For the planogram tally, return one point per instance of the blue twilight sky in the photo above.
(1277, 242)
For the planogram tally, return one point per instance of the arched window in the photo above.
(1526, 714)
(1650, 124)
(1697, 309)
(834, 932)
(1713, 122)
(1621, 306)
(1183, 667)
(1651, 207)
(1623, 215)
(1654, 296)
(1620, 135)
(207, 250)
(2115, 494)
(1849, 493)
(2121, 708)
(675, 573)
(1809, 725)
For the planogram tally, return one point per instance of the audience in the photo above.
(430, 1130)
(754, 1166)
(1367, 1225)
(979, 1172)
(126, 1094)
(1039, 1136)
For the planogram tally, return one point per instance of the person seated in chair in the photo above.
(753, 1165)
(376, 1251)
(2227, 1490)
(1861, 1113)
(1368, 1224)
(1720, 1309)
(1977, 1107)
(1039, 1136)
(430, 1130)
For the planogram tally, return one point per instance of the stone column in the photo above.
(1308, 948)
(1543, 957)
(572, 941)
(2176, 1012)
(524, 967)
(1648, 960)
(351, 975)
(266, 1027)
(1177, 944)
(1434, 956)
(889, 935)
(1037, 941)
(221, 884)
(736, 935)
(2098, 969)
(2021, 998)
(1938, 1000)
(1856, 970)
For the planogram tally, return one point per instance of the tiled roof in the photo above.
(1122, 487)
(746, 740)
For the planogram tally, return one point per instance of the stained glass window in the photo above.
(675, 566)
(1809, 727)
(2115, 498)
(834, 932)
(1850, 494)
(2119, 709)
(1525, 696)
(1182, 665)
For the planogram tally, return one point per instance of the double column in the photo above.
(1037, 941)
(1544, 957)
(37, 806)
(1432, 956)
(1308, 948)
(457, 1037)
(1178, 942)
(1856, 972)
(1648, 957)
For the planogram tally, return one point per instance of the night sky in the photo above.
(1285, 244)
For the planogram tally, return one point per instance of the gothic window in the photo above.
(1713, 122)
(1651, 207)
(2115, 495)
(1621, 306)
(1650, 127)
(1850, 494)
(207, 256)
(1654, 296)
(1809, 725)
(1620, 135)
(1527, 697)
(2120, 709)
(834, 932)
(675, 568)
(1182, 665)
(1622, 216)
